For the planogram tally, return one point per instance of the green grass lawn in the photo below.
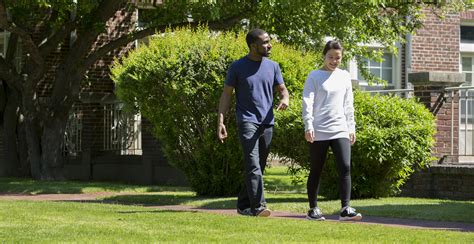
(25, 221)
(116, 220)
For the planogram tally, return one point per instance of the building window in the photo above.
(467, 67)
(383, 70)
(467, 33)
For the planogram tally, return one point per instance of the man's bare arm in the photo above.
(224, 102)
(284, 97)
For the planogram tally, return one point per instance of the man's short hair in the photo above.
(253, 35)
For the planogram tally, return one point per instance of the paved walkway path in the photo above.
(395, 222)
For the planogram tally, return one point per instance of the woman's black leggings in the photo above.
(341, 148)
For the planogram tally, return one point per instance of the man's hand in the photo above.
(352, 138)
(309, 136)
(221, 132)
(284, 97)
(284, 103)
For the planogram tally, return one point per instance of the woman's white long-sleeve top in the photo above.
(328, 104)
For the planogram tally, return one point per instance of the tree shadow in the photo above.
(208, 203)
(152, 199)
(445, 211)
(28, 186)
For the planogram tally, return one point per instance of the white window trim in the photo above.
(396, 68)
(469, 55)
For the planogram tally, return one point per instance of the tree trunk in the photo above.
(11, 164)
(25, 169)
(52, 143)
(34, 147)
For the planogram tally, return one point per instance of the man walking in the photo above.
(254, 78)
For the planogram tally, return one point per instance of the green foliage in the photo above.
(394, 137)
(176, 82)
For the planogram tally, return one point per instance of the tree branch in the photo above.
(9, 75)
(35, 57)
(125, 39)
(47, 47)
(104, 12)
(12, 46)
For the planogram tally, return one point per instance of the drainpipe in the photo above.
(408, 52)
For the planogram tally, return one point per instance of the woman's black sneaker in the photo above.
(315, 214)
(348, 213)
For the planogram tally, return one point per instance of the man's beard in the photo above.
(265, 53)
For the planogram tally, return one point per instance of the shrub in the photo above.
(176, 82)
(394, 136)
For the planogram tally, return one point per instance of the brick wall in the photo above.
(435, 47)
(452, 182)
(441, 106)
(98, 76)
(467, 15)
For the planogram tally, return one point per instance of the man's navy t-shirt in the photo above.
(253, 82)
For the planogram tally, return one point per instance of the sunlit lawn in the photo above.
(122, 218)
(32, 222)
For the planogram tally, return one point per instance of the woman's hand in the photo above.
(309, 136)
(352, 138)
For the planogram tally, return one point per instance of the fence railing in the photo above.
(399, 92)
(73, 134)
(122, 130)
(458, 120)
(462, 121)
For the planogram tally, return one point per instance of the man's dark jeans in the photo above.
(255, 140)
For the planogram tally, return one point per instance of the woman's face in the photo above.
(332, 59)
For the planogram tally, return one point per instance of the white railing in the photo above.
(73, 133)
(462, 121)
(122, 130)
(398, 92)
(459, 125)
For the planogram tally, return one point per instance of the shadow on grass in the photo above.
(150, 211)
(202, 202)
(153, 199)
(28, 186)
(443, 211)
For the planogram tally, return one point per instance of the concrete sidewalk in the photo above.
(394, 222)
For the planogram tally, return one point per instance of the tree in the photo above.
(34, 127)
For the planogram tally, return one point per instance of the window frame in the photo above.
(396, 68)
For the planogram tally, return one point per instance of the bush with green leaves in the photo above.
(394, 137)
(175, 82)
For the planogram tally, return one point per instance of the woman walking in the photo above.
(328, 115)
